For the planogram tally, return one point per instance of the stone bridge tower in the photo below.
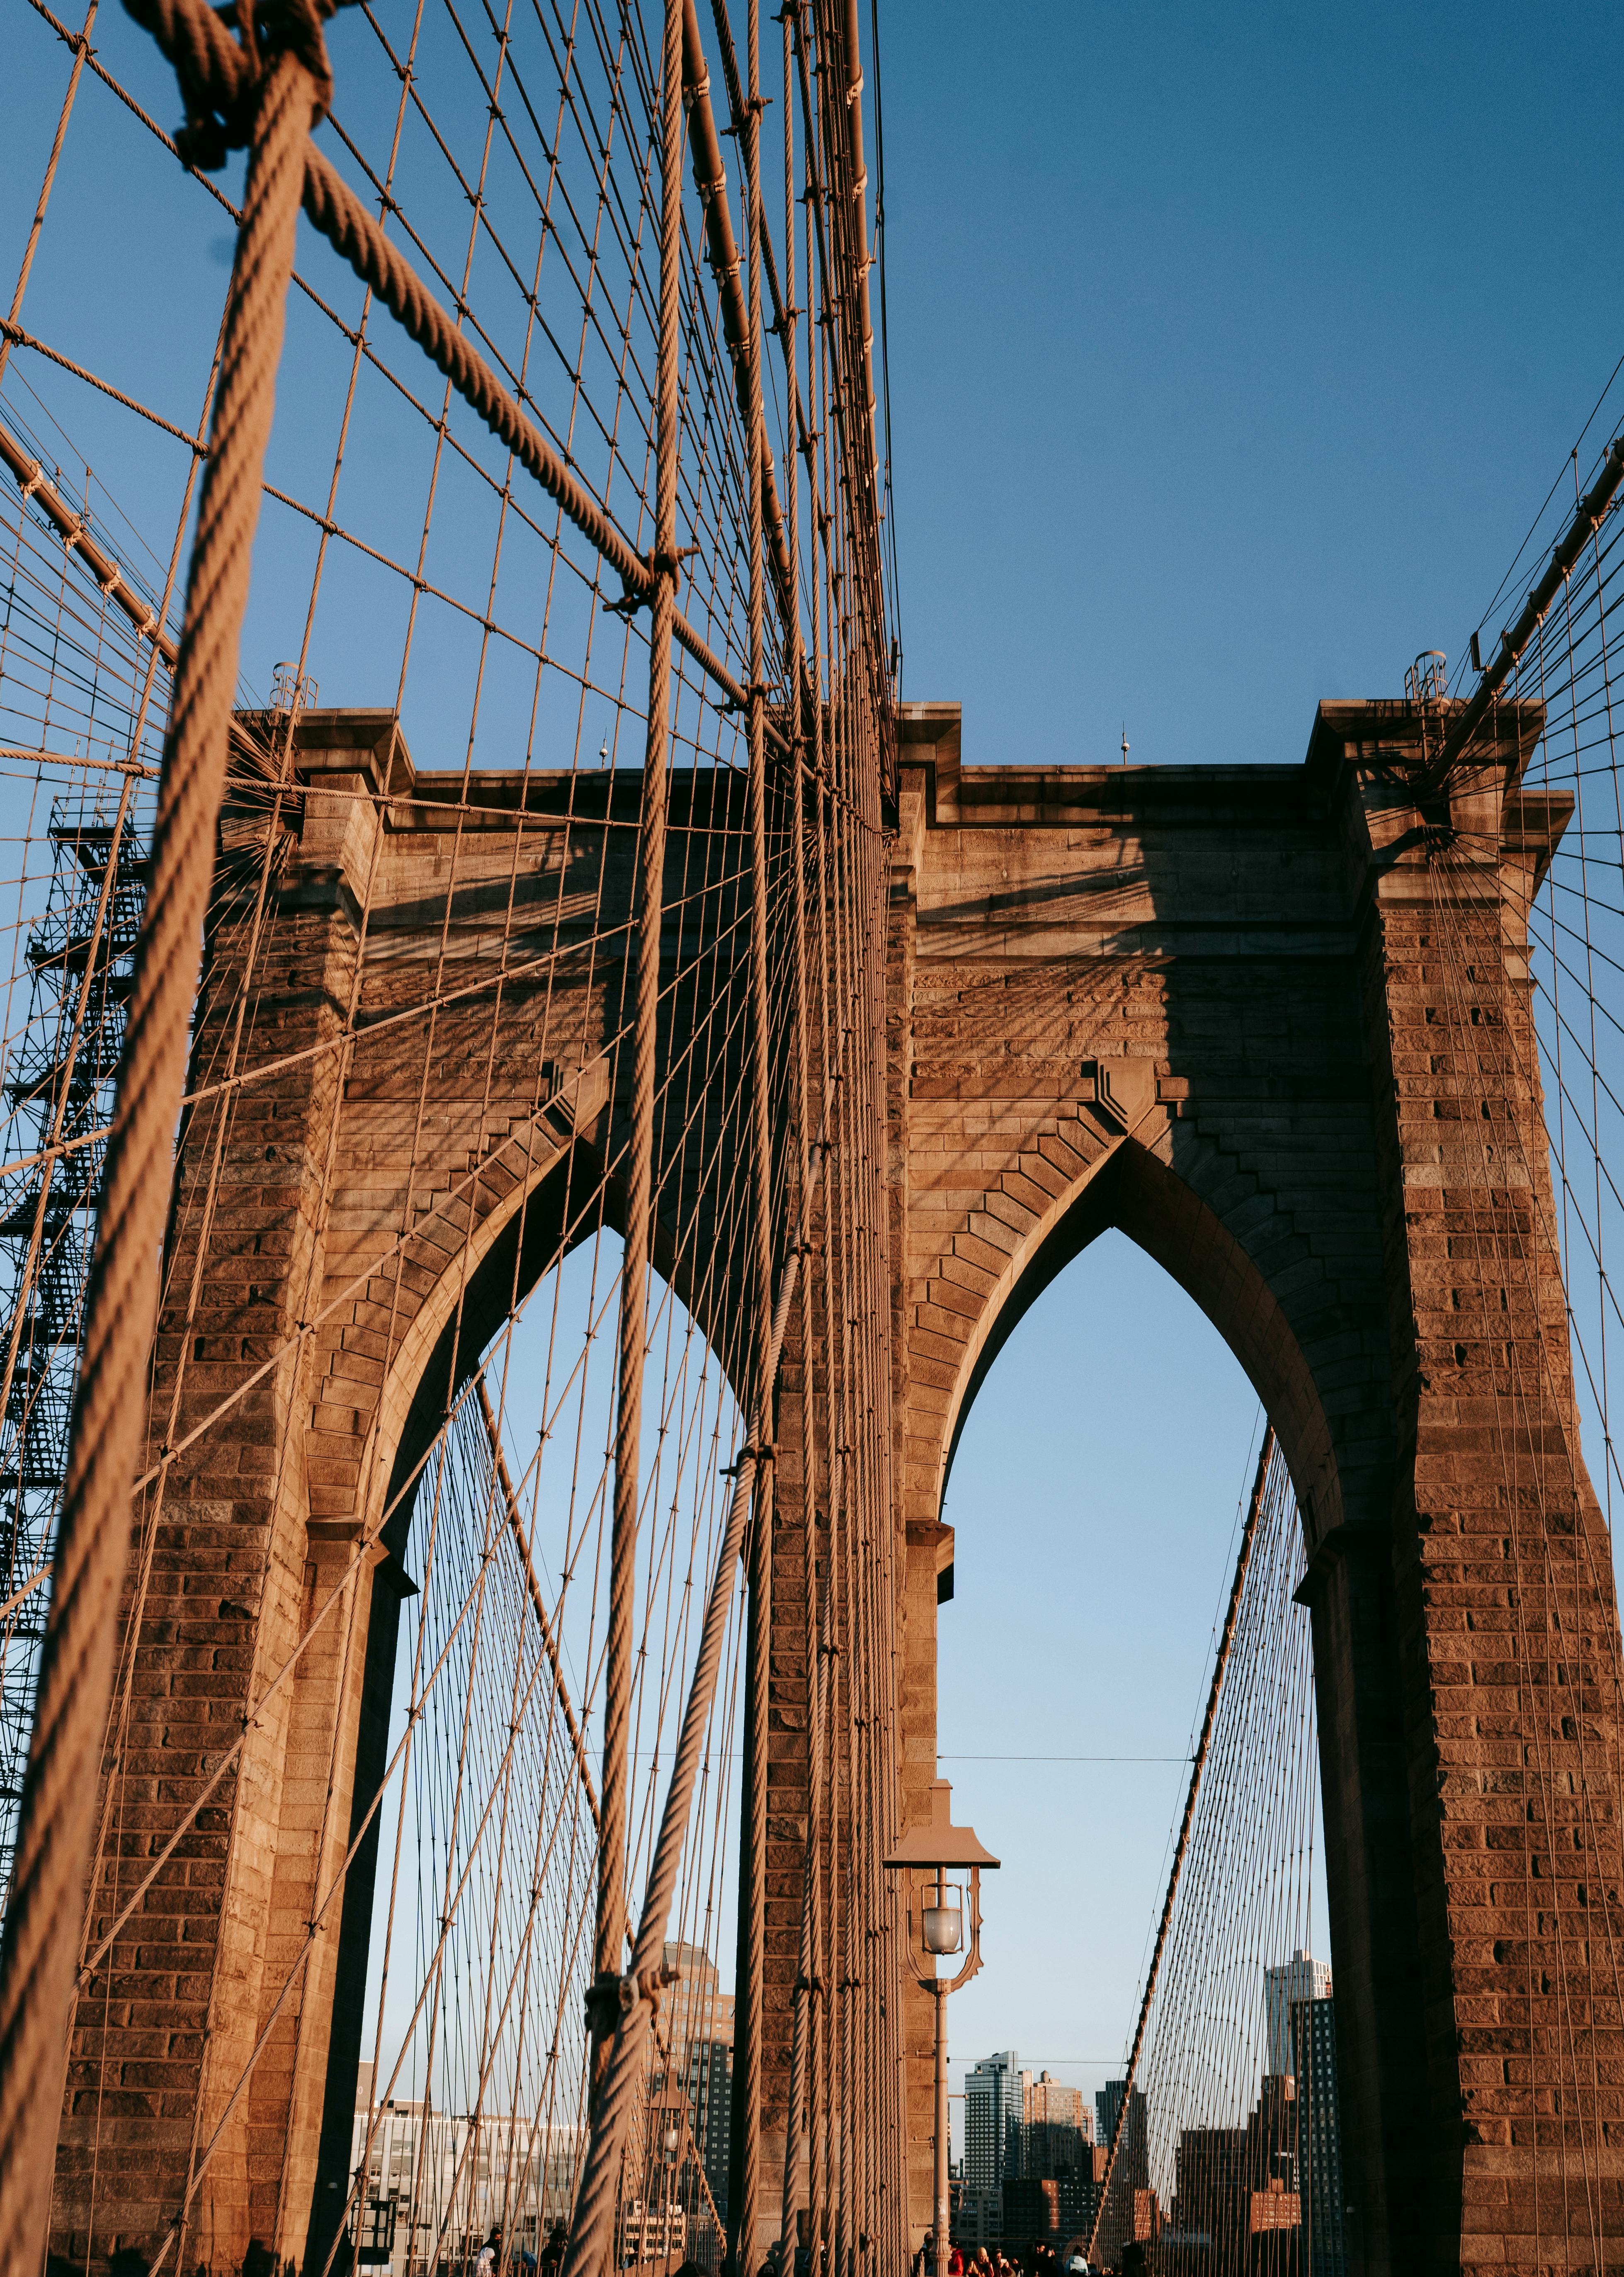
(1274, 1024)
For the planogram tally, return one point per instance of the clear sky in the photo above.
(1233, 347)
(1233, 350)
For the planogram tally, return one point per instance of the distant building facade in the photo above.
(700, 2019)
(994, 2120)
(1059, 2129)
(1319, 2134)
(1051, 2207)
(1209, 2181)
(1134, 2159)
(436, 2183)
(975, 2217)
(1300, 1978)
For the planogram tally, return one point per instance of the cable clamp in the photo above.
(608, 1997)
(603, 2004)
(222, 102)
(670, 565)
(767, 1453)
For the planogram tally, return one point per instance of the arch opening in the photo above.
(1134, 1192)
(467, 1943)
(1101, 1481)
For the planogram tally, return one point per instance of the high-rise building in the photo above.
(1319, 2134)
(701, 2056)
(977, 2216)
(1300, 1978)
(707, 2082)
(994, 2115)
(1208, 2207)
(1049, 2103)
(1133, 2161)
(1052, 2205)
(1058, 2125)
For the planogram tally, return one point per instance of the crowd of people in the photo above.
(1039, 2260)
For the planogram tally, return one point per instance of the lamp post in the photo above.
(935, 1928)
(668, 2115)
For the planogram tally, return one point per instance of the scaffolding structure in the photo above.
(59, 1086)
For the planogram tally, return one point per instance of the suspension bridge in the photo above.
(525, 1136)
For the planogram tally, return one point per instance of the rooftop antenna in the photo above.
(1125, 743)
(603, 749)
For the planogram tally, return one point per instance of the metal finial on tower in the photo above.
(1125, 746)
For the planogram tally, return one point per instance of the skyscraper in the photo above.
(1058, 2125)
(700, 2025)
(994, 2112)
(1319, 2134)
(1133, 2158)
(1300, 1978)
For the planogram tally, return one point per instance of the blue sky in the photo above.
(1233, 348)
(1233, 351)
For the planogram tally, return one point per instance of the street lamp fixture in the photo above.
(925, 1854)
(944, 1924)
(668, 2113)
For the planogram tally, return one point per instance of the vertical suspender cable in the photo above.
(37, 1959)
(753, 1797)
(611, 1911)
(591, 2235)
(803, 1996)
(1248, 1534)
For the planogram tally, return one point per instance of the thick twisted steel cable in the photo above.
(37, 1959)
(211, 66)
(650, 889)
(710, 180)
(753, 1813)
(336, 212)
(220, 77)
